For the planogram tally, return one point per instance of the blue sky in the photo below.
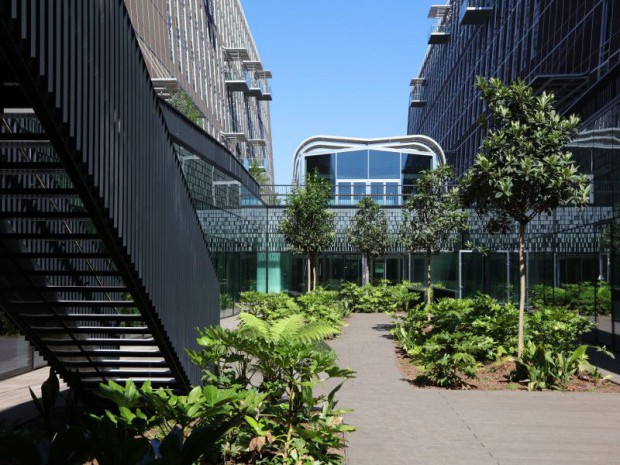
(340, 67)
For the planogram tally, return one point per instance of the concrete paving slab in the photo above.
(400, 424)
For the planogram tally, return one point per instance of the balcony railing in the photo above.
(392, 195)
(237, 80)
(439, 32)
(475, 11)
(417, 98)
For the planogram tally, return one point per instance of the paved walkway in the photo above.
(399, 424)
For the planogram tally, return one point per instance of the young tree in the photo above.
(257, 171)
(523, 169)
(308, 225)
(432, 216)
(368, 233)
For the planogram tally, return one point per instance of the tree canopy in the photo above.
(368, 232)
(308, 225)
(432, 216)
(523, 169)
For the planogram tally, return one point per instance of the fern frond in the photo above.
(287, 328)
(314, 332)
(254, 326)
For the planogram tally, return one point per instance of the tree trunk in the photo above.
(522, 282)
(365, 279)
(428, 278)
(314, 267)
(308, 273)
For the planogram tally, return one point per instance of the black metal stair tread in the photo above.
(59, 255)
(38, 167)
(115, 363)
(44, 215)
(76, 303)
(64, 273)
(51, 236)
(107, 353)
(38, 192)
(85, 317)
(93, 329)
(99, 341)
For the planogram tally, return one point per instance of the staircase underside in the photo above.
(57, 280)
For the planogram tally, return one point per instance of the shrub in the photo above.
(318, 305)
(270, 306)
(284, 360)
(322, 305)
(448, 339)
(542, 368)
(556, 328)
(578, 297)
(382, 297)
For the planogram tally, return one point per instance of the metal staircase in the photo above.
(57, 279)
(104, 265)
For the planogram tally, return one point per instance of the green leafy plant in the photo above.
(226, 301)
(270, 306)
(542, 368)
(284, 359)
(450, 338)
(382, 297)
(368, 233)
(308, 224)
(556, 328)
(523, 169)
(432, 216)
(184, 104)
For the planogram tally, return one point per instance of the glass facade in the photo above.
(384, 175)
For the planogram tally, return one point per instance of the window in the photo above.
(376, 190)
(325, 164)
(413, 165)
(391, 191)
(359, 190)
(383, 165)
(344, 193)
(353, 165)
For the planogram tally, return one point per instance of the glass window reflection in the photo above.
(359, 190)
(376, 190)
(413, 165)
(353, 165)
(325, 164)
(344, 193)
(384, 165)
(391, 193)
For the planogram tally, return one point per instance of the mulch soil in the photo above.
(496, 377)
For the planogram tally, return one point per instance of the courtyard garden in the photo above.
(271, 388)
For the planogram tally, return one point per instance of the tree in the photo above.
(522, 170)
(308, 225)
(184, 104)
(257, 171)
(432, 216)
(368, 233)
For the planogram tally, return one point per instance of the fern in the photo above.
(292, 329)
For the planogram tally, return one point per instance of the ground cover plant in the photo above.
(451, 341)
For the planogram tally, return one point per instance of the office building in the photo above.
(568, 47)
(384, 168)
(206, 49)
